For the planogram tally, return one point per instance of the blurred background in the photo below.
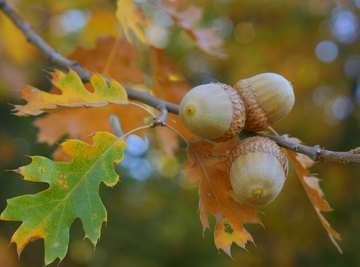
(152, 213)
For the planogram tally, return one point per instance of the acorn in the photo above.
(214, 111)
(268, 97)
(258, 169)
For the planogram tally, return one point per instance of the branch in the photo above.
(315, 152)
(64, 63)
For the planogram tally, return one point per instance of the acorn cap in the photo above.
(214, 111)
(268, 97)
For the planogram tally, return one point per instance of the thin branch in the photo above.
(115, 125)
(64, 63)
(160, 121)
(315, 152)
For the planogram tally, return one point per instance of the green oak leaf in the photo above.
(73, 193)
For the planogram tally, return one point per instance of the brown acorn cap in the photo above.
(239, 117)
(257, 118)
(259, 144)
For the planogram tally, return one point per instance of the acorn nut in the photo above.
(214, 111)
(258, 170)
(268, 97)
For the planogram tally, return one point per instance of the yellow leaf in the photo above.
(79, 123)
(102, 22)
(73, 94)
(130, 20)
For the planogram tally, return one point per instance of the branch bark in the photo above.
(316, 153)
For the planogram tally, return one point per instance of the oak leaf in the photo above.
(130, 19)
(133, 22)
(101, 22)
(72, 94)
(73, 193)
(186, 17)
(169, 85)
(111, 57)
(80, 123)
(117, 58)
(215, 194)
(311, 185)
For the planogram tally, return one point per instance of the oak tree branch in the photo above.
(64, 63)
(315, 152)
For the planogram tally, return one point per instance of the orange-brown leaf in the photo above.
(169, 85)
(216, 199)
(209, 41)
(122, 56)
(186, 17)
(313, 190)
(80, 123)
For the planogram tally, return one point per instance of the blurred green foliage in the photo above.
(154, 221)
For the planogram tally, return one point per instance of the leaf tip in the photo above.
(19, 248)
(18, 170)
(333, 240)
(227, 250)
(204, 230)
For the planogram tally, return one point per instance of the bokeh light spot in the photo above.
(344, 25)
(326, 51)
(245, 32)
(352, 67)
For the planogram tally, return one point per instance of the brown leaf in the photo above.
(169, 85)
(216, 199)
(209, 41)
(313, 190)
(186, 17)
(80, 123)
(120, 54)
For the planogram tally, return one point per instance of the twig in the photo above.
(64, 63)
(115, 125)
(315, 152)
(160, 121)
